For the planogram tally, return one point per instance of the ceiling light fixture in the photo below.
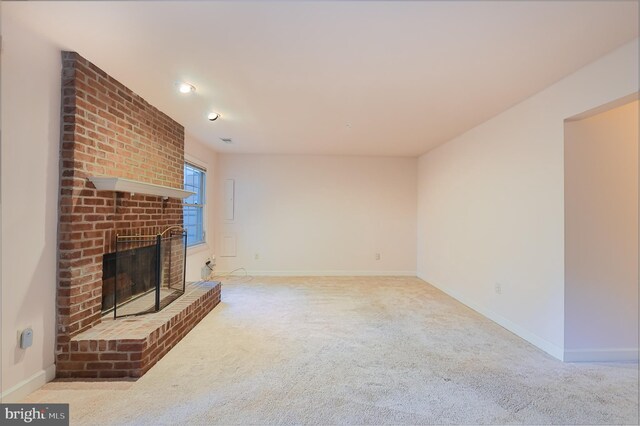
(213, 116)
(186, 88)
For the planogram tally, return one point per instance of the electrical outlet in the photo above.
(377, 256)
(498, 288)
(256, 256)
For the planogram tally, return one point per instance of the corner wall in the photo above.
(30, 122)
(30, 141)
(318, 215)
(491, 204)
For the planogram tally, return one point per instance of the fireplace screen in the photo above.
(145, 273)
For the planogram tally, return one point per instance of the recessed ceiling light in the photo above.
(226, 140)
(213, 116)
(186, 88)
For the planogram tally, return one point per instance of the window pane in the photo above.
(193, 224)
(194, 180)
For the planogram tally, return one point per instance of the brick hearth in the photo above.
(129, 347)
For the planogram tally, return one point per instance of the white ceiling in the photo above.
(354, 78)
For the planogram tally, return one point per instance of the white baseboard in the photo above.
(323, 273)
(602, 355)
(22, 389)
(545, 345)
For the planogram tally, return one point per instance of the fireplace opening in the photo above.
(144, 274)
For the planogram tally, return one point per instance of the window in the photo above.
(194, 179)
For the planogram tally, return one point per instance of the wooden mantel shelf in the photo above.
(103, 183)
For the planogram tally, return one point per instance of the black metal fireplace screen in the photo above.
(145, 274)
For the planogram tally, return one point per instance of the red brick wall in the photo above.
(107, 131)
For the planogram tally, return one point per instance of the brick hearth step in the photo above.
(130, 346)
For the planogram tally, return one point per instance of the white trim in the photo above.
(606, 107)
(188, 158)
(534, 339)
(22, 389)
(601, 355)
(197, 248)
(329, 273)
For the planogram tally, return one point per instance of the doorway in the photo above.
(601, 233)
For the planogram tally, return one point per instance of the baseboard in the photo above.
(545, 345)
(322, 273)
(22, 389)
(602, 355)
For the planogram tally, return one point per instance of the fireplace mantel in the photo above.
(104, 183)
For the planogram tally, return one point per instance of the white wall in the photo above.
(30, 140)
(202, 155)
(601, 236)
(319, 215)
(491, 204)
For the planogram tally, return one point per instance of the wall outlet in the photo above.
(377, 256)
(498, 288)
(256, 256)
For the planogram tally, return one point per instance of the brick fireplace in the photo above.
(110, 131)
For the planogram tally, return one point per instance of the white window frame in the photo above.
(201, 167)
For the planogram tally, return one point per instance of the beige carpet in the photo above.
(357, 351)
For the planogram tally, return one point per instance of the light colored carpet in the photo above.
(357, 351)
